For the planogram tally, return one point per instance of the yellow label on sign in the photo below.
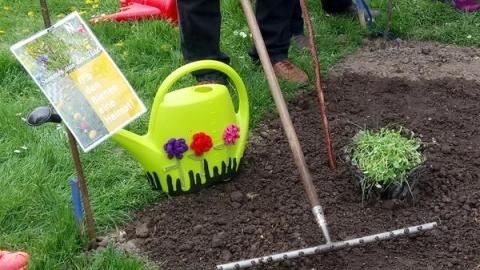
(107, 92)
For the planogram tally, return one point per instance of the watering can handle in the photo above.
(243, 109)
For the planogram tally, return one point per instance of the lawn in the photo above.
(35, 164)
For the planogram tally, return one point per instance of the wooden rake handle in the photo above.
(297, 152)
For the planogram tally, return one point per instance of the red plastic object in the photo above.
(143, 9)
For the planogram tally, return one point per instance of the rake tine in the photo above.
(328, 247)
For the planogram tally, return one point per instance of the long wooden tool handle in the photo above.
(298, 156)
(45, 15)
(388, 23)
(318, 86)
(82, 184)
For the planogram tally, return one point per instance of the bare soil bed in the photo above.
(431, 89)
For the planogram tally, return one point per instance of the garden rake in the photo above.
(302, 167)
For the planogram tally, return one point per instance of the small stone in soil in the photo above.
(226, 255)
(142, 230)
(249, 229)
(198, 229)
(426, 51)
(252, 195)
(446, 199)
(218, 239)
(237, 196)
(130, 246)
(122, 236)
(446, 149)
(104, 241)
(236, 205)
(220, 221)
(186, 246)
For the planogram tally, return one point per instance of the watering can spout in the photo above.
(138, 146)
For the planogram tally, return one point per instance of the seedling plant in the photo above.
(385, 156)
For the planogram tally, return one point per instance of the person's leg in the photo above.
(199, 22)
(336, 6)
(296, 27)
(296, 24)
(274, 17)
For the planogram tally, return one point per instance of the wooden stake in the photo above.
(76, 160)
(318, 85)
(82, 184)
(388, 23)
(45, 15)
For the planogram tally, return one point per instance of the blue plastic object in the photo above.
(76, 200)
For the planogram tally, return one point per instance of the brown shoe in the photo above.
(287, 71)
(300, 41)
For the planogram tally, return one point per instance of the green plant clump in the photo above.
(385, 156)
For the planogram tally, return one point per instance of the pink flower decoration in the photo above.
(231, 134)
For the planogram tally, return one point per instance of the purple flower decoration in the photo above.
(175, 148)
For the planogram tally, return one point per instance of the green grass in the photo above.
(35, 207)
(385, 156)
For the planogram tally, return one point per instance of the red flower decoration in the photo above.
(201, 143)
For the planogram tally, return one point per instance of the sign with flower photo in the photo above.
(79, 78)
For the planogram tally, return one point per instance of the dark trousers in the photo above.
(199, 22)
(296, 24)
(336, 6)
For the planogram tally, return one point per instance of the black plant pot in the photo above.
(397, 190)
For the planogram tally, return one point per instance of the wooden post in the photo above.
(388, 23)
(82, 184)
(45, 15)
(76, 159)
(318, 85)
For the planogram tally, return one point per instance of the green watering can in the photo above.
(195, 138)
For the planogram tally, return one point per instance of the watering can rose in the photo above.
(201, 143)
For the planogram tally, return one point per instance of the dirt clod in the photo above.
(198, 229)
(226, 255)
(219, 240)
(142, 230)
(237, 196)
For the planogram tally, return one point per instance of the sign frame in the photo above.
(91, 35)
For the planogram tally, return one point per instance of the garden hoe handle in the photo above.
(298, 156)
